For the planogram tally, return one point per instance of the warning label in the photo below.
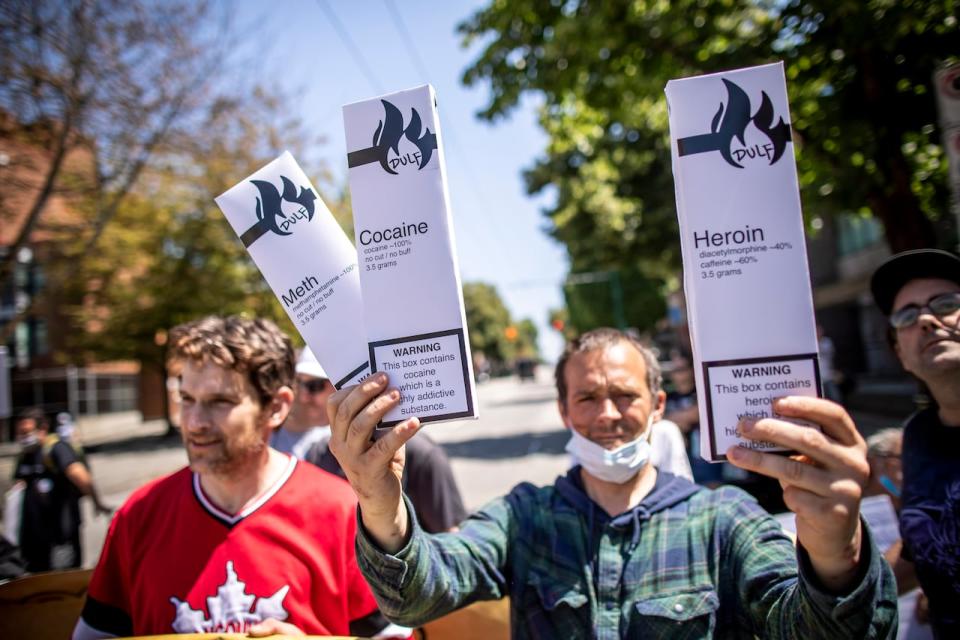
(739, 389)
(431, 373)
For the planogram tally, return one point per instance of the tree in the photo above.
(115, 79)
(492, 331)
(859, 75)
(621, 298)
(487, 320)
(170, 255)
(526, 344)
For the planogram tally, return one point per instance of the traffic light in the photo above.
(511, 333)
(558, 324)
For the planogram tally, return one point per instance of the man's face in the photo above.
(608, 400)
(27, 429)
(931, 345)
(310, 403)
(224, 428)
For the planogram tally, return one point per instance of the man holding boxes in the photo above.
(616, 549)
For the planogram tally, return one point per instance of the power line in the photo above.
(352, 48)
(499, 239)
(408, 43)
(407, 40)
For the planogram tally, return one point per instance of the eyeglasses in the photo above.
(941, 305)
(314, 386)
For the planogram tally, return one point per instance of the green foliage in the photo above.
(488, 320)
(859, 78)
(622, 298)
(526, 345)
(170, 256)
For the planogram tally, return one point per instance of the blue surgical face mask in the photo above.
(889, 485)
(611, 465)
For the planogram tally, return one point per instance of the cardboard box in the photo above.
(307, 260)
(412, 296)
(746, 278)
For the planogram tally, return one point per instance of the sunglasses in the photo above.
(941, 305)
(314, 386)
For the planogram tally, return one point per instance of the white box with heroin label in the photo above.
(746, 277)
(412, 297)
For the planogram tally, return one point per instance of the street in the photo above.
(518, 438)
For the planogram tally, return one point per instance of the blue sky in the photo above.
(499, 229)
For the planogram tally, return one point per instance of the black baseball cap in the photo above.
(903, 267)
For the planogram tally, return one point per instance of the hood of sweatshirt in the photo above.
(668, 490)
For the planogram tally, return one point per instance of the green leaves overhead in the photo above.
(859, 78)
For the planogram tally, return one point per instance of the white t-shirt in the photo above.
(669, 451)
(297, 444)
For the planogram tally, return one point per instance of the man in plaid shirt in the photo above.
(615, 548)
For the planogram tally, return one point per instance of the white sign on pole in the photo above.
(307, 260)
(412, 298)
(746, 278)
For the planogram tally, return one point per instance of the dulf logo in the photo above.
(386, 139)
(270, 215)
(731, 123)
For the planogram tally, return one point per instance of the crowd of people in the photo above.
(293, 517)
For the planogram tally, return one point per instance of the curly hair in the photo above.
(255, 347)
(602, 339)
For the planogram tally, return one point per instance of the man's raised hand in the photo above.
(373, 467)
(823, 485)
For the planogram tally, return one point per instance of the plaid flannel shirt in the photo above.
(685, 563)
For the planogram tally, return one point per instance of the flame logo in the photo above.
(730, 122)
(270, 215)
(387, 138)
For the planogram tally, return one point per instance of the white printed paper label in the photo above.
(429, 372)
(747, 389)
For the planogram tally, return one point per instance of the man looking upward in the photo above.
(919, 292)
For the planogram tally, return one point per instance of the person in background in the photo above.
(307, 423)
(828, 373)
(886, 479)
(919, 293)
(682, 410)
(886, 469)
(54, 478)
(668, 450)
(427, 479)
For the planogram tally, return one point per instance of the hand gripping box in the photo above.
(746, 279)
(412, 298)
(307, 260)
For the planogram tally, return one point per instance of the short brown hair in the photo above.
(37, 415)
(604, 338)
(253, 346)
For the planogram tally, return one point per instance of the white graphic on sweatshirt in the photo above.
(230, 610)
